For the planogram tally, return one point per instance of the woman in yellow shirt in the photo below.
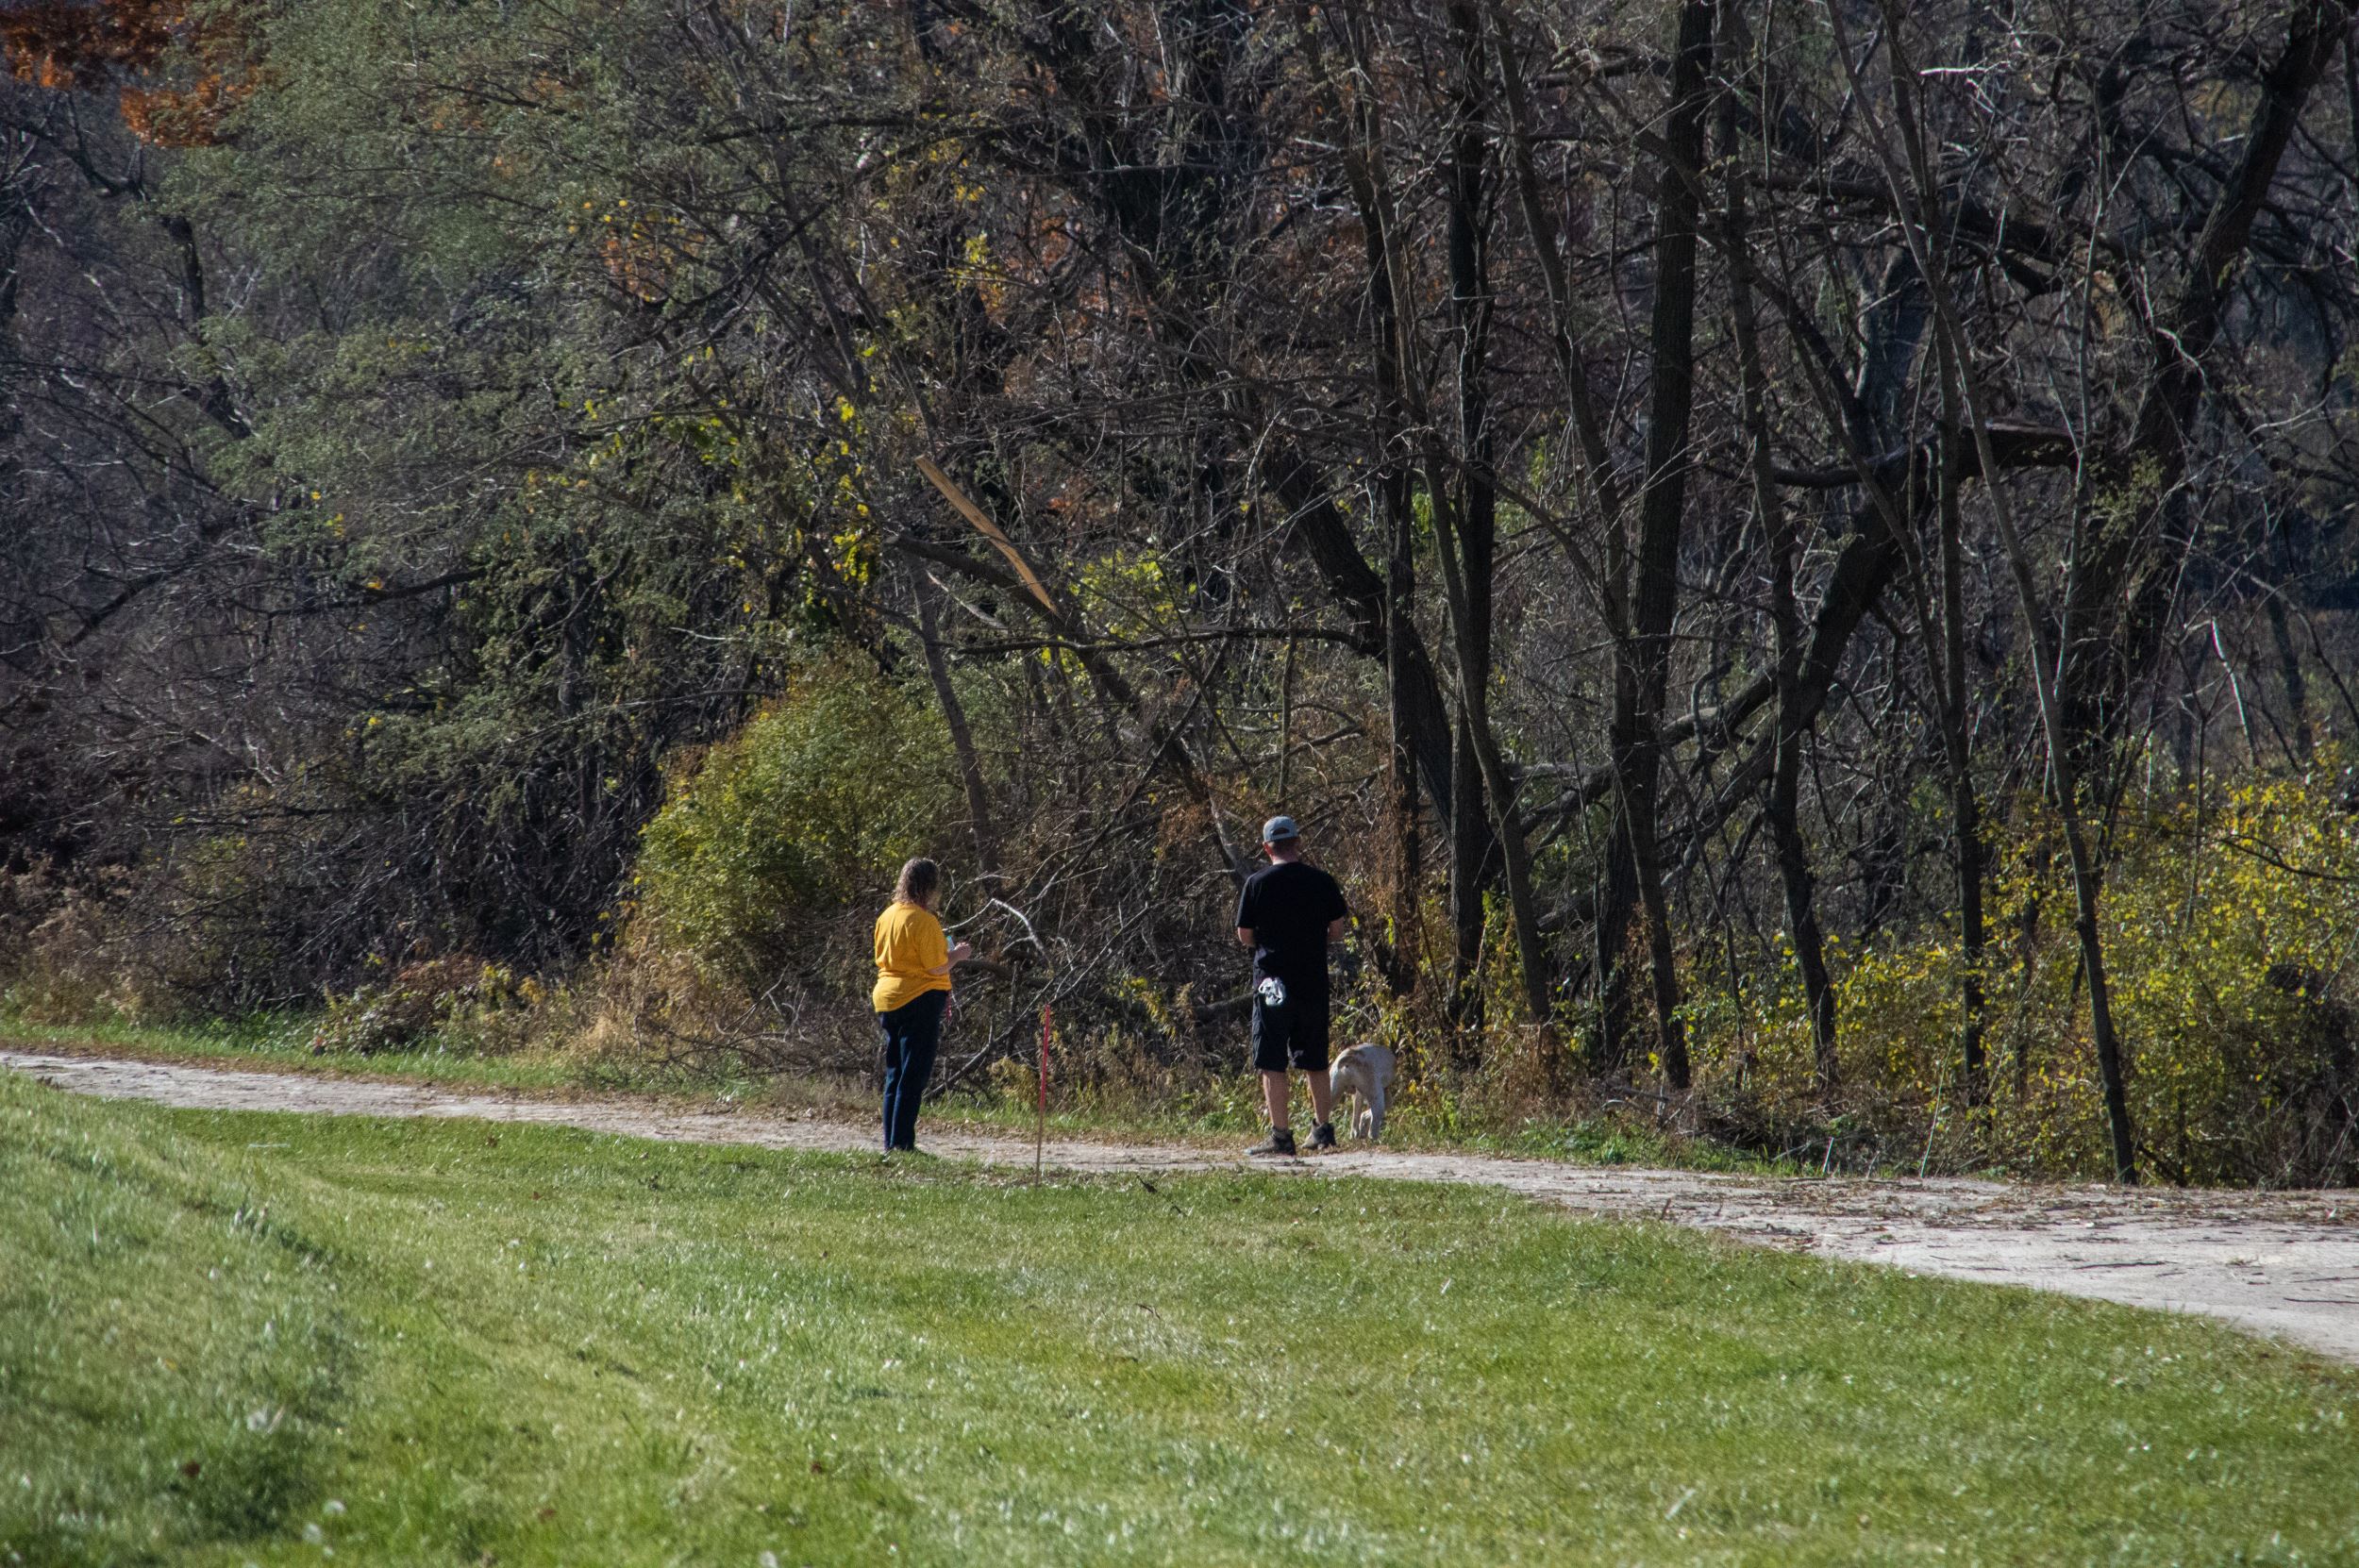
(913, 961)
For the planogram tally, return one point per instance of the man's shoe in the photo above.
(1279, 1145)
(1323, 1135)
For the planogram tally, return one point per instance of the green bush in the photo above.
(812, 806)
(2230, 924)
(460, 996)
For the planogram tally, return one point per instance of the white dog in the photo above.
(1365, 1073)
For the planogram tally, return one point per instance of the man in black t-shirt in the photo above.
(1288, 913)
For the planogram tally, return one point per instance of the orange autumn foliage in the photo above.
(176, 75)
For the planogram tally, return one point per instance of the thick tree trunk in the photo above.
(1463, 494)
(1643, 659)
(1470, 859)
(1617, 900)
(1476, 510)
(1515, 864)
(1801, 911)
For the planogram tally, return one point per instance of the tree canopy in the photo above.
(1795, 557)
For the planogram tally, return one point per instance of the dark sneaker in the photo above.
(1279, 1145)
(1323, 1135)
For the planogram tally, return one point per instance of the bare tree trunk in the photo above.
(1920, 226)
(1465, 522)
(1401, 771)
(1285, 722)
(1469, 539)
(1463, 493)
(2297, 689)
(1644, 661)
(1617, 890)
(1782, 809)
(1410, 693)
(1964, 809)
(1391, 483)
(1470, 847)
(954, 715)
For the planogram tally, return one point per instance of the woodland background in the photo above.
(1796, 558)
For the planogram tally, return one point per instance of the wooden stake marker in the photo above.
(1040, 1124)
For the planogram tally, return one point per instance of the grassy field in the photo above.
(243, 1337)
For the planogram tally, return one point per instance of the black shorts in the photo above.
(1294, 1035)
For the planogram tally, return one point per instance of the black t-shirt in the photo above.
(1287, 908)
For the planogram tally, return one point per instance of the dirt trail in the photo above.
(2285, 1264)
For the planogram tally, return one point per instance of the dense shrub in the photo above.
(2231, 924)
(807, 808)
(59, 962)
(479, 1006)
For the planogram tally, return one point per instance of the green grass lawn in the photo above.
(250, 1338)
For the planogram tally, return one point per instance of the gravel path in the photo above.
(2285, 1264)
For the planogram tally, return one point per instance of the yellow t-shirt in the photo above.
(909, 942)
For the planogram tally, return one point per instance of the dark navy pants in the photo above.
(912, 1034)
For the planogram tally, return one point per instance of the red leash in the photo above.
(1040, 1125)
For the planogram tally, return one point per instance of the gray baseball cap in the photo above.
(1278, 830)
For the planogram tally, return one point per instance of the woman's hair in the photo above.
(919, 878)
